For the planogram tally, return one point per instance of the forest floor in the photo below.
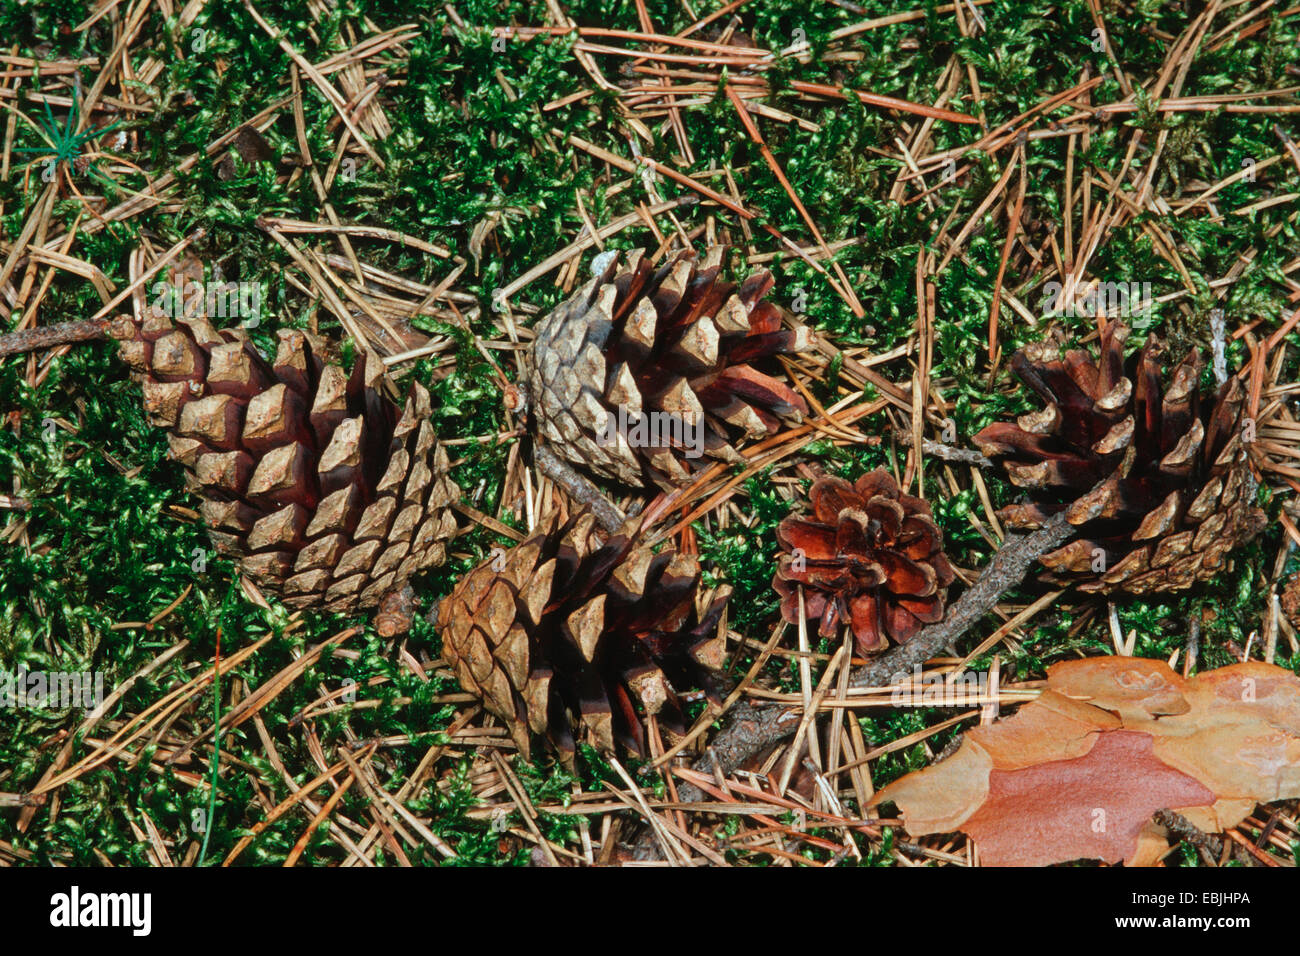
(453, 169)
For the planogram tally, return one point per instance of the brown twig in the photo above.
(748, 730)
(582, 491)
(1007, 569)
(964, 456)
(51, 336)
(1184, 829)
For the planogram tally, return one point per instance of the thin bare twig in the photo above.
(1008, 568)
(52, 336)
(964, 456)
(582, 491)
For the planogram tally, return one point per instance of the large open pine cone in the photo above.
(868, 556)
(676, 341)
(563, 631)
(326, 491)
(1177, 494)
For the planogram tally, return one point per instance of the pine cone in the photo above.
(1177, 492)
(324, 489)
(644, 372)
(564, 631)
(868, 556)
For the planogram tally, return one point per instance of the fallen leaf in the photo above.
(1092, 806)
(1079, 772)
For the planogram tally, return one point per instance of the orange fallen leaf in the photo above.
(1079, 772)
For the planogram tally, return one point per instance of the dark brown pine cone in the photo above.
(563, 632)
(868, 556)
(1177, 493)
(327, 492)
(645, 374)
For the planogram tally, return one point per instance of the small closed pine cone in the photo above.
(639, 352)
(563, 632)
(868, 556)
(1175, 493)
(326, 491)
